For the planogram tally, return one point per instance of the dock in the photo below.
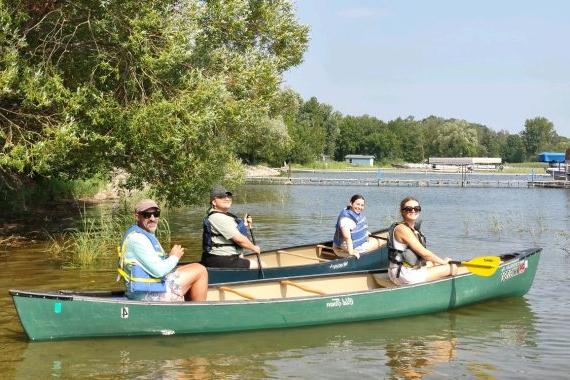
(394, 182)
(551, 184)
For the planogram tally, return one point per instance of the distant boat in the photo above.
(316, 258)
(264, 304)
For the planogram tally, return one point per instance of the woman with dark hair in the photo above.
(351, 235)
(410, 261)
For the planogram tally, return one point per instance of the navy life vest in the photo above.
(207, 233)
(136, 278)
(408, 257)
(359, 234)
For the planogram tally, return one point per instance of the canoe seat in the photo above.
(383, 282)
(236, 292)
(326, 252)
(303, 287)
(281, 251)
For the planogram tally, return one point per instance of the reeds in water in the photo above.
(98, 237)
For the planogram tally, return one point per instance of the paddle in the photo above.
(481, 266)
(256, 254)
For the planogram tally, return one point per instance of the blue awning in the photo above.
(551, 157)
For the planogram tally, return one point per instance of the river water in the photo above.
(507, 339)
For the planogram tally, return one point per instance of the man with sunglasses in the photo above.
(224, 235)
(149, 274)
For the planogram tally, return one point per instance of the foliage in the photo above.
(314, 131)
(97, 237)
(167, 90)
(514, 150)
(538, 135)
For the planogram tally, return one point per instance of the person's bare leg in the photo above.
(439, 271)
(194, 279)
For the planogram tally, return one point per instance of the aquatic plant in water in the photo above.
(98, 237)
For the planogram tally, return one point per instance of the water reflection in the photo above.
(408, 348)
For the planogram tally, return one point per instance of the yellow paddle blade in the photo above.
(483, 266)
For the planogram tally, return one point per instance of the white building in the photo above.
(359, 159)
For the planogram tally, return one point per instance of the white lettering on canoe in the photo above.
(338, 266)
(340, 302)
(514, 269)
(124, 312)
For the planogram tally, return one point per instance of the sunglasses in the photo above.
(148, 214)
(410, 209)
(223, 196)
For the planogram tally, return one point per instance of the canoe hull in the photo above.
(312, 265)
(369, 261)
(47, 316)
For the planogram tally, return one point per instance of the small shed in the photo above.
(359, 159)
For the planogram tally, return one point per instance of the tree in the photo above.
(353, 131)
(314, 131)
(454, 138)
(538, 135)
(514, 149)
(167, 90)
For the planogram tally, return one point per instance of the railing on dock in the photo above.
(387, 182)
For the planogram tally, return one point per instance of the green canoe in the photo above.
(263, 304)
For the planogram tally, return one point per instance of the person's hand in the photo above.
(447, 260)
(256, 249)
(356, 254)
(177, 251)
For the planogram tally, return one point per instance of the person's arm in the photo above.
(143, 251)
(244, 242)
(406, 236)
(227, 227)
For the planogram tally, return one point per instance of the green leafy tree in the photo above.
(514, 149)
(410, 145)
(314, 132)
(167, 90)
(454, 138)
(538, 135)
(353, 133)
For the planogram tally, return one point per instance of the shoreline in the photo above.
(410, 171)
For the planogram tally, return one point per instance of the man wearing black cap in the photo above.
(151, 275)
(225, 235)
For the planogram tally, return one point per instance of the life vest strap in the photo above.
(126, 276)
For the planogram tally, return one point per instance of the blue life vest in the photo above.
(207, 233)
(408, 257)
(359, 234)
(136, 278)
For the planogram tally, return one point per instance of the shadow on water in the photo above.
(408, 348)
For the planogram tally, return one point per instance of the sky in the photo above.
(497, 63)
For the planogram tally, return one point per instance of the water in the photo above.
(508, 339)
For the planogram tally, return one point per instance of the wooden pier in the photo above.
(390, 182)
(550, 184)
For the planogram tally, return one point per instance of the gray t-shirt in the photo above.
(226, 226)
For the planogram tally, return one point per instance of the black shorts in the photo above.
(216, 261)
